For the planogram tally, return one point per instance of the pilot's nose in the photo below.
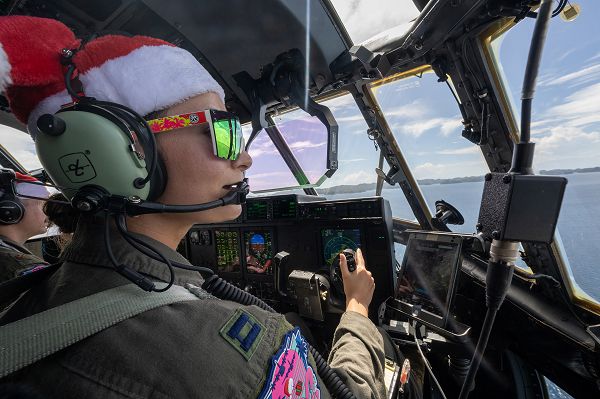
(243, 161)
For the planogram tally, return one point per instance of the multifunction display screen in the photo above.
(257, 210)
(259, 251)
(284, 209)
(336, 240)
(427, 274)
(228, 251)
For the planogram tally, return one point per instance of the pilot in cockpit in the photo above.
(189, 349)
(20, 219)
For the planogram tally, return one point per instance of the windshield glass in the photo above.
(365, 19)
(565, 125)
(20, 146)
(426, 122)
(307, 137)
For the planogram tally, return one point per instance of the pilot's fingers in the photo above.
(360, 261)
(344, 266)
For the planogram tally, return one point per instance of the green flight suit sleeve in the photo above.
(13, 263)
(358, 356)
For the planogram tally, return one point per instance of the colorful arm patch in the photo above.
(290, 375)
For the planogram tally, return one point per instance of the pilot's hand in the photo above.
(358, 285)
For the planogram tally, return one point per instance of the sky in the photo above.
(423, 114)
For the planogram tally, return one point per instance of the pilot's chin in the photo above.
(231, 212)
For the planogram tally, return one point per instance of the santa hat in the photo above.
(142, 73)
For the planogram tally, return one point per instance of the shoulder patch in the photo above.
(244, 332)
(290, 375)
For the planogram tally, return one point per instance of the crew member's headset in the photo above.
(98, 145)
(11, 208)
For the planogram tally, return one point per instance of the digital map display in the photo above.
(336, 240)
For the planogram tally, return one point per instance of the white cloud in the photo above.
(20, 145)
(461, 151)
(429, 170)
(585, 75)
(366, 18)
(304, 145)
(352, 160)
(417, 128)
(580, 108)
(356, 177)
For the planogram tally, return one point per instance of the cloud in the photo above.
(429, 170)
(21, 146)
(416, 128)
(579, 109)
(304, 145)
(365, 19)
(585, 75)
(352, 160)
(461, 151)
(357, 177)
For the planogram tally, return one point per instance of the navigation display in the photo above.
(284, 208)
(257, 210)
(228, 251)
(259, 251)
(336, 240)
(428, 271)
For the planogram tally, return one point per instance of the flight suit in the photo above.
(16, 260)
(206, 348)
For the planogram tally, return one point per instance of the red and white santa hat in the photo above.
(142, 73)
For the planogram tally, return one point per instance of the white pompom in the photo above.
(4, 70)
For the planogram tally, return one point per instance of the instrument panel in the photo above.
(311, 229)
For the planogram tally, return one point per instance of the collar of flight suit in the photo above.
(88, 247)
(6, 242)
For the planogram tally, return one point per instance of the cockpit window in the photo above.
(426, 122)
(306, 137)
(20, 146)
(565, 125)
(366, 19)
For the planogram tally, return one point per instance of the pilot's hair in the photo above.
(64, 216)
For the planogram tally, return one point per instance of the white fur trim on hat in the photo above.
(4, 70)
(148, 79)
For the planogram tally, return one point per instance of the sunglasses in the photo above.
(225, 129)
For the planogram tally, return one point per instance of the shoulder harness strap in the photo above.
(33, 338)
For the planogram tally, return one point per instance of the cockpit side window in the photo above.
(565, 126)
(20, 145)
(426, 123)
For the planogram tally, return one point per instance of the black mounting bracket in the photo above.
(284, 82)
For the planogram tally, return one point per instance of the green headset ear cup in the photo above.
(11, 211)
(158, 180)
(95, 148)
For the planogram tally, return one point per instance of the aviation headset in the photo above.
(101, 145)
(11, 208)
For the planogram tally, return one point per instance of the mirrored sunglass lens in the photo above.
(31, 190)
(222, 138)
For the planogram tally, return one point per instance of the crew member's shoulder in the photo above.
(16, 263)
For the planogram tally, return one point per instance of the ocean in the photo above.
(578, 226)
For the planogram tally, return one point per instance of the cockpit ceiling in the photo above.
(227, 36)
